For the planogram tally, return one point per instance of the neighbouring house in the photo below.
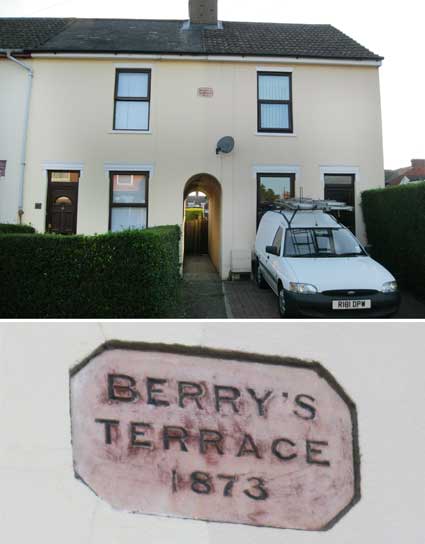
(124, 118)
(413, 173)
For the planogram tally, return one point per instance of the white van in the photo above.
(317, 267)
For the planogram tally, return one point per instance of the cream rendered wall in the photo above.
(337, 121)
(380, 365)
(13, 92)
(214, 234)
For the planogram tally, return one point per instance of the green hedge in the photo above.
(10, 228)
(131, 274)
(395, 223)
(194, 213)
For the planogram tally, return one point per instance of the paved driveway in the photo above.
(207, 297)
(246, 301)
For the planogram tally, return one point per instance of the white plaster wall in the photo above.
(381, 365)
(337, 121)
(13, 90)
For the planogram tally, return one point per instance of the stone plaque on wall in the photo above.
(215, 436)
(206, 92)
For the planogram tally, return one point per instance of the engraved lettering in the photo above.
(124, 392)
(135, 432)
(248, 447)
(210, 438)
(313, 452)
(175, 434)
(109, 423)
(151, 384)
(226, 394)
(261, 401)
(277, 450)
(189, 390)
(307, 407)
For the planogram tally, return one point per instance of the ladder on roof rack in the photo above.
(307, 204)
(310, 204)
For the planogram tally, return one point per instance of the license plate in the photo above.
(351, 304)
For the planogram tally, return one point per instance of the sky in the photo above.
(392, 29)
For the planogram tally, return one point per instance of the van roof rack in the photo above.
(307, 204)
(310, 204)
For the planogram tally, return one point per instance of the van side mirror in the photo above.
(273, 250)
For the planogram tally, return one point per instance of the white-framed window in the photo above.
(132, 99)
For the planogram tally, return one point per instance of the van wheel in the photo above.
(281, 302)
(259, 278)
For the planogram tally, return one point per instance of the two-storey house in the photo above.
(124, 118)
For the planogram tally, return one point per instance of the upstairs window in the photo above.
(275, 102)
(132, 100)
(2, 169)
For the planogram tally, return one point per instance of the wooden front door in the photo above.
(62, 201)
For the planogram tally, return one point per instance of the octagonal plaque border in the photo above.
(203, 352)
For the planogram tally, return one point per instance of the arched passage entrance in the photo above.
(209, 210)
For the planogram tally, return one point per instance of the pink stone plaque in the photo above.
(215, 436)
(206, 92)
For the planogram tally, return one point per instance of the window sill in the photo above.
(278, 134)
(130, 132)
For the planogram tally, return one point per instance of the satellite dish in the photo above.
(225, 145)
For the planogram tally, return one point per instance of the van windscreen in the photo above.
(319, 242)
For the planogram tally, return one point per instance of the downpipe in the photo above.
(25, 133)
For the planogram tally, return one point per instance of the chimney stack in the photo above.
(203, 12)
(418, 163)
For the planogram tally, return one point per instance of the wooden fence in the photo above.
(196, 236)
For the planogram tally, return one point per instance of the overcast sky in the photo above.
(395, 30)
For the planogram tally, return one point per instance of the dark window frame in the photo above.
(352, 186)
(113, 204)
(292, 177)
(289, 103)
(147, 99)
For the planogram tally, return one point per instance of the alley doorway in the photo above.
(196, 224)
(202, 224)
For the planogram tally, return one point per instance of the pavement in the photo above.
(207, 297)
(203, 296)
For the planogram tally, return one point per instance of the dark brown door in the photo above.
(62, 208)
(196, 236)
(340, 187)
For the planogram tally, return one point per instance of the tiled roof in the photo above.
(416, 172)
(28, 34)
(171, 37)
(292, 40)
